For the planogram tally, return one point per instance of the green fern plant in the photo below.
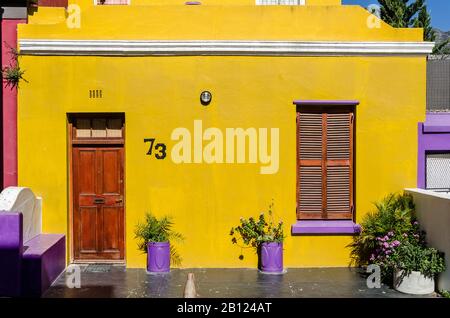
(394, 214)
(13, 74)
(158, 230)
(386, 233)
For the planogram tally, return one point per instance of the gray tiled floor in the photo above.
(115, 281)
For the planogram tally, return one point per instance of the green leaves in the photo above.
(255, 231)
(154, 230)
(411, 257)
(391, 238)
(395, 213)
(442, 48)
(13, 74)
(445, 293)
(406, 14)
(423, 20)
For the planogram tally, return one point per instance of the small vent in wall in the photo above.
(95, 93)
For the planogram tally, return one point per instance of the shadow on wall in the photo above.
(433, 212)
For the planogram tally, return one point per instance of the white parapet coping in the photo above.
(442, 195)
(220, 47)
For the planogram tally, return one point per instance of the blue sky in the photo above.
(440, 11)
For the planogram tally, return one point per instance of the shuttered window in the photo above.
(325, 163)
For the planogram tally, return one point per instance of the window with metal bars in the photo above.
(325, 163)
(438, 172)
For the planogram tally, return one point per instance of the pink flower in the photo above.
(386, 245)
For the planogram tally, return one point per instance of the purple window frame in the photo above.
(434, 137)
(325, 227)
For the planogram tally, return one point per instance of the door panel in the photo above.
(111, 180)
(98, 213)
(88, 233)
(111, 228)
(86, 164)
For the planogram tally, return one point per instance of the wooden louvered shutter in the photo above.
(325, 164)
(310, 185)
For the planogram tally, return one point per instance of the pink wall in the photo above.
(53, 3)
(9, 101)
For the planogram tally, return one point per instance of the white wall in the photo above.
(433, 212)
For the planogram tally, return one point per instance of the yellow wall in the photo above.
(159, 94)
(306, 23)
(87, 3)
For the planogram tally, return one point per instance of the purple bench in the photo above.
(28, 268)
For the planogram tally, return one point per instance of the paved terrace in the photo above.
(116, 281)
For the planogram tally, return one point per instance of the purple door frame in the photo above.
(434, 136)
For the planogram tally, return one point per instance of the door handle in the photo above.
(119, 200)
(99, 200)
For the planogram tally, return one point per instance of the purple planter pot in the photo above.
(158, 257)
(271, 257)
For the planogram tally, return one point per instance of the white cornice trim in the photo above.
(220, 47)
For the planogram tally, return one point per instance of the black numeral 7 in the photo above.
(151, 141)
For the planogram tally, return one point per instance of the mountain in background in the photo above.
(441, 36)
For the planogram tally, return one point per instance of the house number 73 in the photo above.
(160, 148)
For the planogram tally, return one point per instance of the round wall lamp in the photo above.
(205, 98)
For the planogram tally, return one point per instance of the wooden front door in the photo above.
(98, 203)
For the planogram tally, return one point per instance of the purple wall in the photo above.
(434, 136)
(11, 250)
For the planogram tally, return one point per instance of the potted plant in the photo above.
(415, 267)
(392, 239)
(154, 237)
(266, 237)
(394, 221)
